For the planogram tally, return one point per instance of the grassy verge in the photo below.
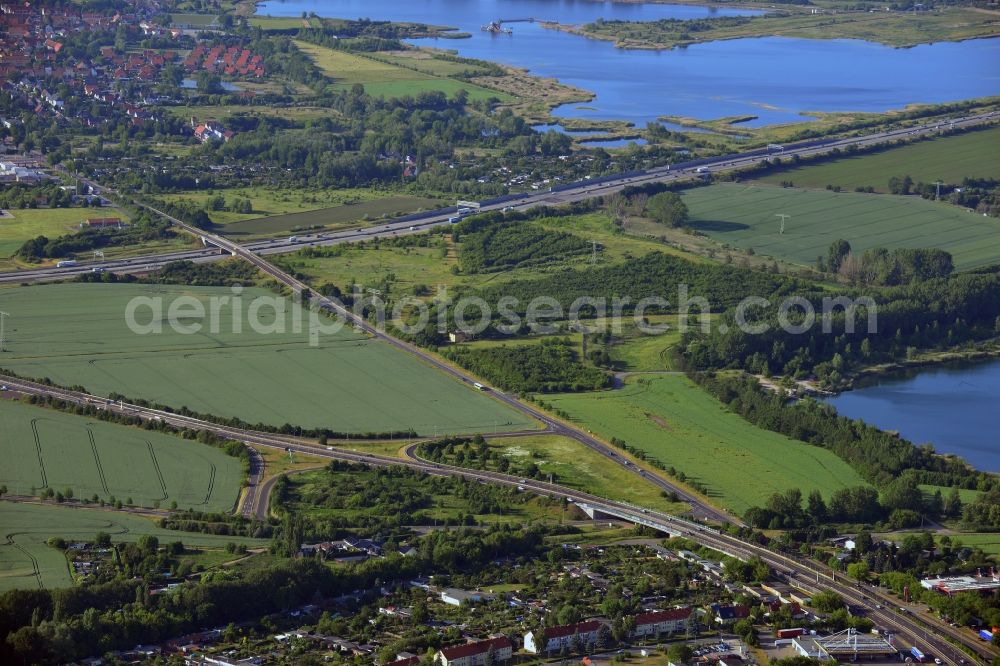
(576, 466)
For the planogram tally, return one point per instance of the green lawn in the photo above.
(576, 466)
(77, 334)
(673, 420)
(744, 216)
(49, 449)
(26, 561)
(950, 159)
(383, 78)
(30, 222)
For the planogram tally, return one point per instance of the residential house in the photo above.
(661, 623)
(726, 615)
(554, 639)
(455, 597)
(474, 654)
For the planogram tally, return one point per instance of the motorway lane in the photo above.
(811, 574)
(562, 194)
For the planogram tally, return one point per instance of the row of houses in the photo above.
(231, 61)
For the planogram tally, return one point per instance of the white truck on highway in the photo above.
(68, 263)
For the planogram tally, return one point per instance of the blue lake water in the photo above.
(774, 78)
(955, 407)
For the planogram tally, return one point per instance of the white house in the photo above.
(554, 639)
(474, 654)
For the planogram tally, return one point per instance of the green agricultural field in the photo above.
(26, 561)
(374, 209)
(20, 225)
(950, 159)
(744, 216)
(385, 79)
(673, 420)
(77, 334)
(49, 449)
(576, 466)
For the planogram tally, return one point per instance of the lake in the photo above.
(954, 406)
(773, 78)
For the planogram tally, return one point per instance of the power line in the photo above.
(783, 217)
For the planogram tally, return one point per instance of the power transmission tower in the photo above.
(593, 255)
(3, 316)
(783, 217)
(939, 184)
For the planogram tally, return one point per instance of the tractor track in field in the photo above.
(211, 485)
(36, 572)
(156, 468)
(97, 459)
(38, 448)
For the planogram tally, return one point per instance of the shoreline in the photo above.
(885, 370)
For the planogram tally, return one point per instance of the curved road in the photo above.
(924, 632)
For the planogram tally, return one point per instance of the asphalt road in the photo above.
(903, 624)
(924, 632)
(560, 194)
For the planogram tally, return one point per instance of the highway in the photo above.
(559, 194)
(903, 624)
(802, 572)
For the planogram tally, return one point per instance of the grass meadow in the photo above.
(26, 561)
(19, 225)
(49, 449)
(745, 217)
(673, 420)
(77, 334)
(384, 79)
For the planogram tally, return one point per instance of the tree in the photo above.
(816, 507)
(835, 255)
(148, 544)
(953, 504)
(858, 571)
(102, 540)
(668, 208)
(680, 653)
